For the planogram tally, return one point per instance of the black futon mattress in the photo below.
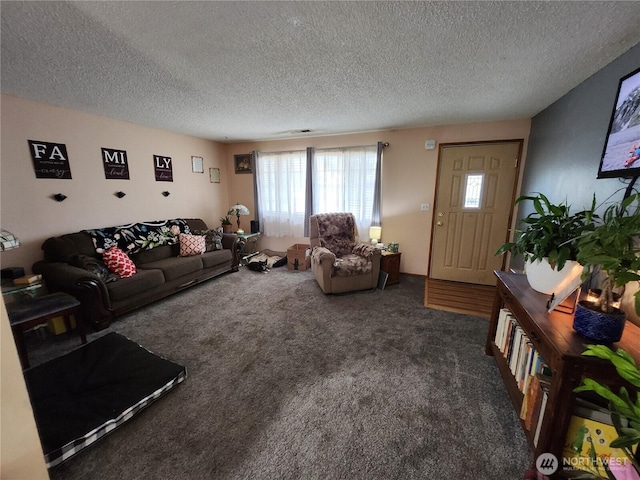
(80, 397)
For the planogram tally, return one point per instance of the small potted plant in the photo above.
(625, 412)
(548, 242)
(612, 248)
(227, 227)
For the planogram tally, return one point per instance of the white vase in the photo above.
(547, 280)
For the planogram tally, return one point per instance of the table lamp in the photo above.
(375, 233)
(8, 240)
(237, 210)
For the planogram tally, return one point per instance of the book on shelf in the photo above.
(533, 398)
(587, 444)
(540, 413)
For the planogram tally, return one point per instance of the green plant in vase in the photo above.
(548, 241)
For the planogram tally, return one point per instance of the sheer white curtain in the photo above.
(281, 183)
(344, 180)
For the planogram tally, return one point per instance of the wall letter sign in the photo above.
(50, 159)
(115, 164)
(163, 168)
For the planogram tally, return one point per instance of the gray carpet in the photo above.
(286, 382)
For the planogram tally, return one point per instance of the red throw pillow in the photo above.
(192, 245)
(119, 262)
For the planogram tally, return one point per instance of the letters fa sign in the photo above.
(50, 160)
(163, 168)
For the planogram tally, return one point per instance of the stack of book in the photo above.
(532, 375)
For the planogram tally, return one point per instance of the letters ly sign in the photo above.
(115, 164)
(163, 168)
(50, 159)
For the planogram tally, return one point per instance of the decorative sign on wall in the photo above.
(50, 160)
(115, 164)
(163, 168)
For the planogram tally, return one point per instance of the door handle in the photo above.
(439, 224)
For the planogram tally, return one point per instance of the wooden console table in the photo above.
(561, 348)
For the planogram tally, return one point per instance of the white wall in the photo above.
(408, 179)
(27, 210)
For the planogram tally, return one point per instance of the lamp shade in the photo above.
(8, 240)
(238, 209)
(375, 233)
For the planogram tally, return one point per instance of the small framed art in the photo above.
(197, 165)
(242, 163)
(214, 175)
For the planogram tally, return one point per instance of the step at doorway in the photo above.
(459, 297)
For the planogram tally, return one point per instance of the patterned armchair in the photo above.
(337, 261)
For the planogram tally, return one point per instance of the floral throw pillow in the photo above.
(213, 238)
(119, 262)
(191, 245)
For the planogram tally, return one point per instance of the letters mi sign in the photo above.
(50, 160)
(115, 164)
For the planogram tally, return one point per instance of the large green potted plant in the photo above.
(625, 412)
(612, 248)
(548, 242)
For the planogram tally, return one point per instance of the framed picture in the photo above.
(197, 165)
(214, 175)
(243, 163)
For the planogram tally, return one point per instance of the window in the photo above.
(339, 180)
(281, 183)
(473, 190)
(344, 180)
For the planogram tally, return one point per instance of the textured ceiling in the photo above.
(234, 71)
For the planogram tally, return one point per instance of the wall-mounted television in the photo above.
(621, 153)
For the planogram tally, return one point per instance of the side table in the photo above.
(35, 311)
(12, 293)
(390, 263)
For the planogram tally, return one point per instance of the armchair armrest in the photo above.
(366, 251)
(323, 256)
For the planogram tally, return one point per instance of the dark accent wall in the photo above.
(567, 139)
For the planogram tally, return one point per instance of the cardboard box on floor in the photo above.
(299, 256)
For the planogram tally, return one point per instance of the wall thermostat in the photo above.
(430, 144)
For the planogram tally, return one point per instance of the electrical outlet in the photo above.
(424, 207)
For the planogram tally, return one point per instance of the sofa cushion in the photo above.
(175, 267)
(155, 254)
(351, 264)
(213, 238)
(119, 262)
(191, 245)
(211, 259)
(142, 281)
(62, 248)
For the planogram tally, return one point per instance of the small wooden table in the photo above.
(35, 311)
(390, 263)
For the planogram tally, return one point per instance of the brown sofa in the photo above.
(338, 261)
(160, 271)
